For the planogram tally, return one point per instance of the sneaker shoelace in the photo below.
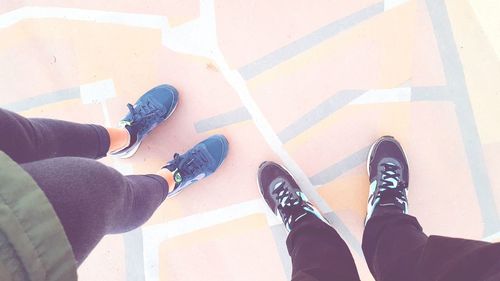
(142, 113)
(392, 185)
(194, 166)
(287, 205)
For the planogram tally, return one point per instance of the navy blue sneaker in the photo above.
(389, 177)
(284, 196)
(151, 109)
(199, 162)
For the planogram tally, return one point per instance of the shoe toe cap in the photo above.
(384, 149)
(218, 147)
(388, 147)
(166, 95)
(270, 171)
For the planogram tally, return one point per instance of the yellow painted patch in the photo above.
(384, 114)
(481, 68)
(236, 248)
(381, 30)
(348, 193)
(487, 12)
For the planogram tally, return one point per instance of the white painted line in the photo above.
(127, 19)
(390, 4)
(384, 96)
(105, 112)
(97, 92)
(124, 168)
(196, 222)
(495, 238)
(199, 37)
(156, 234)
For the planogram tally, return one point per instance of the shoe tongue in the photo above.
(176, 163)
(387, 201)
(173, 165)
(391, 198)
(297, 219)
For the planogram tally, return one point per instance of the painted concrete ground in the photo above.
(310, 84)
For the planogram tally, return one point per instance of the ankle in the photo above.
(168, 176)
(119, 138)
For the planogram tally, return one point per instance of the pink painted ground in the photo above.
(397, 48)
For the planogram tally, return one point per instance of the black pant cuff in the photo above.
(103, 141)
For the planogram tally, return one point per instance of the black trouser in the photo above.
(90, 199)
(395, 249)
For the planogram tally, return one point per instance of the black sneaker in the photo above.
(283, 195)
(389, 177)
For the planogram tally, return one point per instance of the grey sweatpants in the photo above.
(90, 199)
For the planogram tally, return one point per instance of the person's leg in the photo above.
(393, 241)
(396, 249)
(27, 140)
(317, 250)
(456, 259)
(92, 200)
(393, 245)
(31, 139)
